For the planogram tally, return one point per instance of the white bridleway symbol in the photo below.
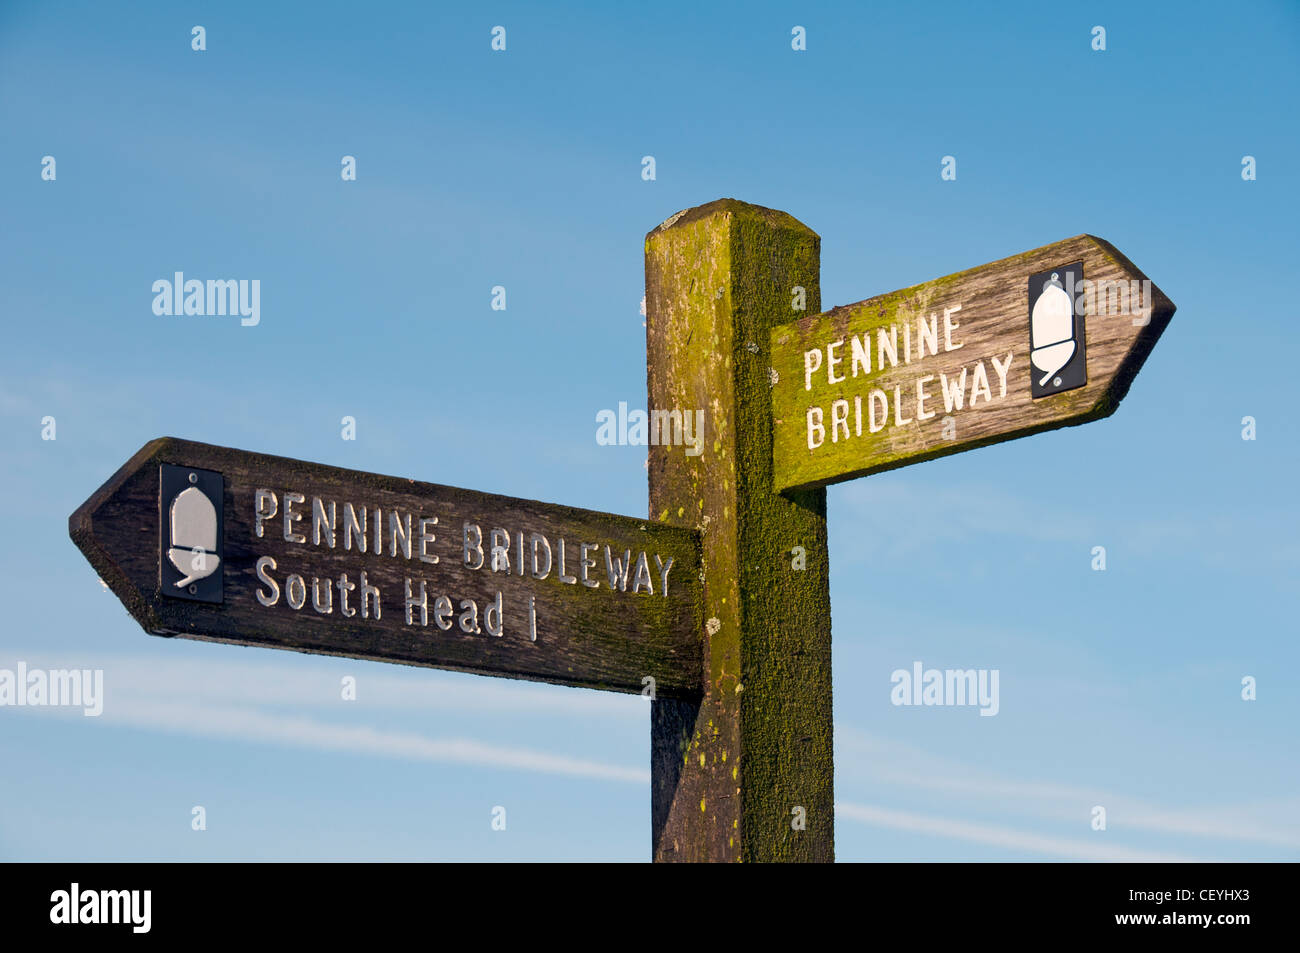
(194, 536)
(1052, 330)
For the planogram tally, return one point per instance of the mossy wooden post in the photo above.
(745, 773)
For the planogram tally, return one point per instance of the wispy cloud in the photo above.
(265, 703)
(244, 724)
(902, 765)
(295, 684)
(945, 513)
(996, 836)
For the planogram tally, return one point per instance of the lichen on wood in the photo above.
(718, 278)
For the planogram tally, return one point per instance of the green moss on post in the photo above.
(745, 773)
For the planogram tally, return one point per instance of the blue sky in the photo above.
(522, 168)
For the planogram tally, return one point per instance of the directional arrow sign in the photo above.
(223, 545)
(1046, 339)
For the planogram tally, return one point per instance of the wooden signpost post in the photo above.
(718, 605)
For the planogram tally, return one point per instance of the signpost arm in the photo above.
(745, 773)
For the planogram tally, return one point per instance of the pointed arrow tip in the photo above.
(95, 527)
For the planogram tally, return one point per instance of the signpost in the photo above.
(336, 562)
(718, 605)
(960, 362)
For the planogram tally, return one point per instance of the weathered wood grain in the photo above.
(993, 322)
(744, 774)
(590, 637)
